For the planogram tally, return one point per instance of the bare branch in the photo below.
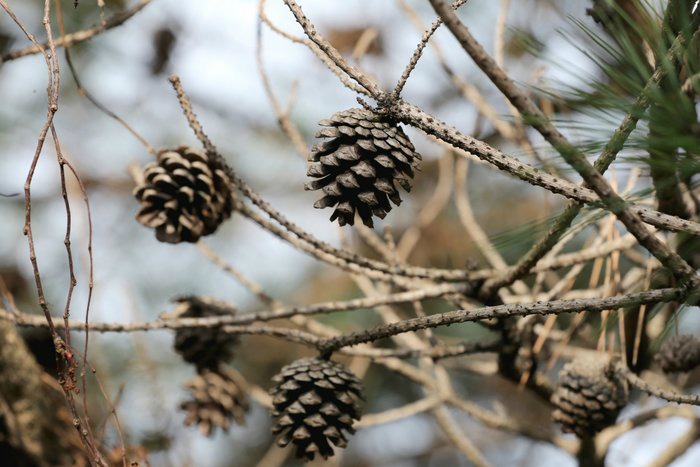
(503, 311)
(570, 153)
(77, 37)
(639, 383)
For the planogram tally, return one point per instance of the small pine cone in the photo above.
(314, 402)
(360, 165)
(203, 347)
(185, 195)
(589, 396)
(679, 354)
(217, 399)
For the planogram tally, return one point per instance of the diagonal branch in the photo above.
(671, 396)
(610, 151)
(573, 156)
(77, 37)
(414, 116)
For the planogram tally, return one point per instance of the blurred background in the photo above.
(211, 45)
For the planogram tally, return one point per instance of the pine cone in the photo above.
(589, 396)
(314, 402)
(679, 354)
(360, 165)
(217, 399)
(185, 195)
(203, 347)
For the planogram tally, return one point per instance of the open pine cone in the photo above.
(360, 165)
(203, 347)
(589, 396)
(217, 400)
(185, 195)
(314, 403)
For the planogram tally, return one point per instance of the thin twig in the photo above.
(415, 116)
(254, 288)
(453, 432)
(329, 51)
(67, 358)
(283, 119)
(472, 227)
(398, 413)
(639, 383)
(77, 37)
(418, 52)
(430, 210)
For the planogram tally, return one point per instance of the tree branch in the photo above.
(79, 36)
(501, 311)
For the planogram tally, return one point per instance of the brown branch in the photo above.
(418, 53)
(610, 434)
(254, 288)
(331, 52)
(671, 396)
(103, 108)
(66, 358)
(262, 316)
(416, 117)
(283, 119)
(344, 255)
(678, 446)
(398, 413)
(570, 153)
(76, 37)
(287, 334)
(502, 311)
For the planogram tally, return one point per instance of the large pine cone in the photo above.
(589, 396)
(217, 400)
(360, 165)
(203, 347)
(679, 354)
(314, 402)
(185, 195)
